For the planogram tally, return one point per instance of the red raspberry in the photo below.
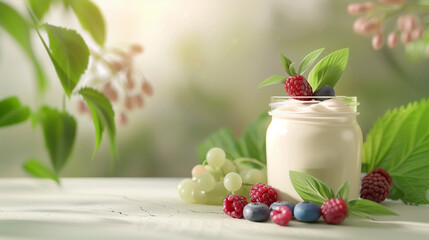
(298, 86)
(384, 174)
(263, 193)
(334, 211)
(233, 205)
(375, 187)
(281, 215)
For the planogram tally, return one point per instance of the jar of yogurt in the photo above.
(318, 137)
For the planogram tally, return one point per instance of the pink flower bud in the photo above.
(136, 48)
(147, 88)
(406, 23)
(110, 93)
(369, 5)
(405, 37)
(123, 119)
(417, 33)
(392, 40)
(377, 41)
(82, 107)
(129, 103)
(364, 27)
(138, 101)
(356, 9)
(392, 1)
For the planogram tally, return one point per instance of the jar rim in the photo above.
(302, 105)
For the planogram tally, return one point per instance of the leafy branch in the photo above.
(69, 54)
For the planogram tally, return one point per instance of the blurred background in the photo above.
(204, 60)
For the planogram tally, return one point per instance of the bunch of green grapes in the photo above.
(219, 177)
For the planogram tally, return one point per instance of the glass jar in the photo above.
(318, 137)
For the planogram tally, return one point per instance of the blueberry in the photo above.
(256, 212)
(307, 212)
(324, 91)
(282, 203)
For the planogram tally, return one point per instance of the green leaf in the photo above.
(223, 138)
(252, 142)
(91, 19)
(16, 25)
(292, 69)
(12, 112)
(272, 80)
(69, 54)
(286, 62)
(310, 188)
(59, 132)
(103, 117)
(344, 191)
(37, 169)
(40, 7)
(308, 60)
(329, 70)
(367, 208)
(399, 143)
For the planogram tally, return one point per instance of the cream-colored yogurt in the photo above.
(321, 138)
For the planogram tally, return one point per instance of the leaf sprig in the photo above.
(399, 143)
(314, 190)
(326, 72)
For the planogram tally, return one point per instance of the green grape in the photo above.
(228, 167)
(216, 157)
(197, 170)
(232, 181)
(183, 182)
(217, 195)
(206, 182)
(253, 176)
(187, 191)
(197, 195)
(243, 166)
(215, 172)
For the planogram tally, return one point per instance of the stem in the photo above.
(250, 160)
(405, 7)
(64, 102)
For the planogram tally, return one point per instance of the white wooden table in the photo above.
(150, 208)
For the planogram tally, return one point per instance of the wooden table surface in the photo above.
(150, 208)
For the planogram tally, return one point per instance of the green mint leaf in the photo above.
(286, 62)
(59, 132)
(12, 112)
(292, 69)
(344, 191)
(329, 70)
(252, 141)
(103, 117)
(40, 7)
(38, 169)
(367, 208)
(308, 60)
(310, 188)
(272, 80)
(17, 27)
(91, 19)
(222, 138)
(69, 54)
(399, 143)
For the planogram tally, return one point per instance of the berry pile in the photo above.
(218, 177)
(375, 185)
(264, 205)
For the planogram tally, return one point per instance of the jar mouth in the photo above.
(314, 105)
